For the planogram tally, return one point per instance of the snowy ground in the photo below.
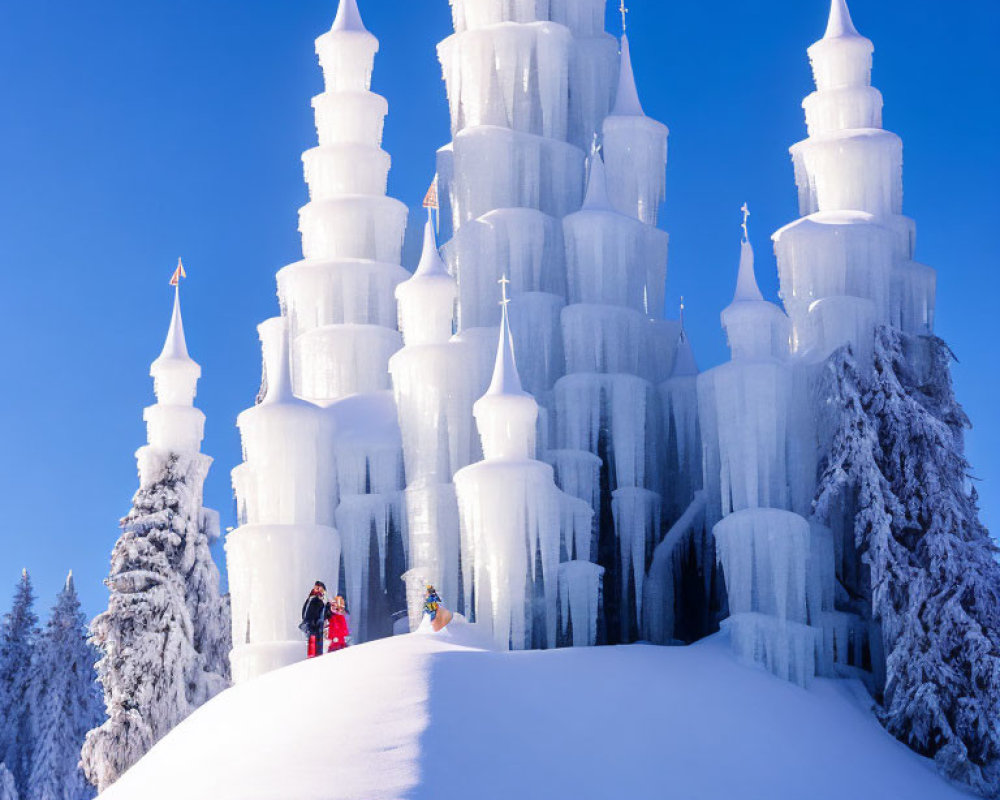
(435, 717)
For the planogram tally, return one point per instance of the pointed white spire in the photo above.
(348, 17)
(840, 24)
(746, 281)
(627, 99)
(684, 362)
(506, 379)
(597, 184)
(175, 345)
(279, 385)
(69, 582)
(431, 264)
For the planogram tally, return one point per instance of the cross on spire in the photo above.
(682, 312)
(504, 281)
(624, 13)
(746, 216)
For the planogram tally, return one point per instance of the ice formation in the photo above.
(513, 527)
(320, 492)
(845, 267)
(601, 488)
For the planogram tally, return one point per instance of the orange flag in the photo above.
(431, 198)
(179, 273)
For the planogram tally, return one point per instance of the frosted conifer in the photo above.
(151, 670)
(934, 571)
(68, 702)
(18, 637)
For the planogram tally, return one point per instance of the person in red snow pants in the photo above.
(339, 630)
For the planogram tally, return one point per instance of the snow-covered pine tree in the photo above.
(68, 702)
(7, 789)
(152, 673)
(18, 637)
(934, 571)
(943, 662)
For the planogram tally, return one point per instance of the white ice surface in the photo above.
(431, 717)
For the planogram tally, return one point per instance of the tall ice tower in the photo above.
(319, 494)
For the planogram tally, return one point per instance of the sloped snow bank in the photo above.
(439, 717)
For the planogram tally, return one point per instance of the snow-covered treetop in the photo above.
(431, 264)
(597, 185)
(506, 380)
(349, 17)
(840, 24)
(627, 99)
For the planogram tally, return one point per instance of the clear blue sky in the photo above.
(134, 132)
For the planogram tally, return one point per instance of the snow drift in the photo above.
(441, 717)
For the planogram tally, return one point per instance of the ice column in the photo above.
(764, 549)
(606, 406)
(435, 384)
(285, 540)
(511, 522)
(847, 264)
(339, 318)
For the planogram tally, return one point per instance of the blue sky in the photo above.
(132, 133)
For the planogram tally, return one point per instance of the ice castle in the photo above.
(516, 421)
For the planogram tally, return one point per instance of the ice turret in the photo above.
(286, 539)
(173, 423)
(847, 265)
(627, 98)
(506, 415)
(755, 328)
(514, 526)
(635, 150)
(339, 300)
(427, 300)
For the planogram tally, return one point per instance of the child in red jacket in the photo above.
(338, 628)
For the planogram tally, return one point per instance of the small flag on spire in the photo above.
(179, 273)
(431, 198)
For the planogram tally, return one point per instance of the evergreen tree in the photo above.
(7, 789)
(18, 635)
(934, 571)
(151, 670)
(68, 702)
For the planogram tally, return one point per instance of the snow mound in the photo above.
(439, 716)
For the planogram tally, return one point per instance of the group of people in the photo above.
(324, 618)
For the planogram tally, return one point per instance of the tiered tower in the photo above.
(323, 474)
(529, 86)
(512, 525)
(847, 264)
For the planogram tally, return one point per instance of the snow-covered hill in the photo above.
(439, 717)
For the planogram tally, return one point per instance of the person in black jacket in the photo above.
(315, 613)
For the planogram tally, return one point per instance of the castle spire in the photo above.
(840, 24)
(506, 380)
(431, 264)
(175, 346)
(746, 280)
(279, 387)
(597, 184)
(349, 17)
(627, 99)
